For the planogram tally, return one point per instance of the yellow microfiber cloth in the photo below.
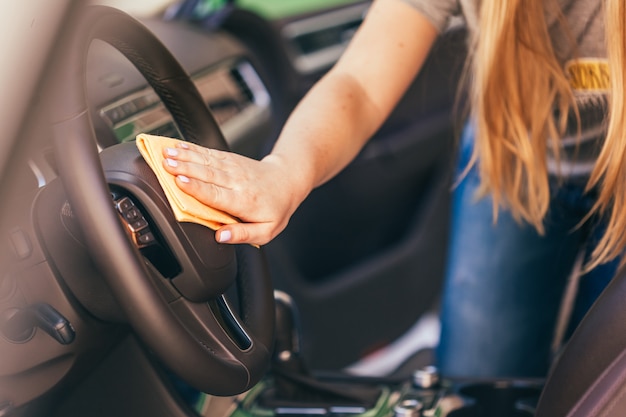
(185, 207)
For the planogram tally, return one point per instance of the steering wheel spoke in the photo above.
(214, 325)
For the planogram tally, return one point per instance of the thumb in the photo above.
(251, 233)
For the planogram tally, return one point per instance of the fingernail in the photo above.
(183, 145)
(224, 236)
(184, 179)
(171, 162)
(171, 152)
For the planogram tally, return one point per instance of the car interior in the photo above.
(110, 307)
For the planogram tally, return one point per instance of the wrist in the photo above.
(294, 178)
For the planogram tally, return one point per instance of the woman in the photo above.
(535, 148)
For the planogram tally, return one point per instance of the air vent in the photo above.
(250, 83)
(318, 42)
(310, 43)
(243, 86)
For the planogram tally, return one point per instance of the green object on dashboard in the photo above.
(206, 7)
(278, 9)
(125, 132)
(270, 9)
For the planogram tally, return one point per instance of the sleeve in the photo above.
(437, 11)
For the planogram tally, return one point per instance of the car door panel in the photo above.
(363, 256)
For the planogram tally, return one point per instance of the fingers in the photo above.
(203, 173)
(210, 176)
(207, 192)
(196, 154)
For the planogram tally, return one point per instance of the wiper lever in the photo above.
(19, 324)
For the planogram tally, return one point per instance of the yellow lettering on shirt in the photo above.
(588, 74)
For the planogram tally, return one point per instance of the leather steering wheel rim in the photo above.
(197, 345)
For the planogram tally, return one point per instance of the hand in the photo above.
(262, 194)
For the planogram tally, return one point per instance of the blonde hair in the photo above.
(609, 171)
(514, 105)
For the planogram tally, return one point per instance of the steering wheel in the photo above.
(169, 278)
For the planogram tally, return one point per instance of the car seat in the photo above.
(588, 377)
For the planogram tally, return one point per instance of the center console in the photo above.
(424, 396)
(291, 391)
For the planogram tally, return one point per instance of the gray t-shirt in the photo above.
(585, 66)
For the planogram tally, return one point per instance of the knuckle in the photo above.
(215, 193)
(243, 234)
(217, 154)
(209, 174)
